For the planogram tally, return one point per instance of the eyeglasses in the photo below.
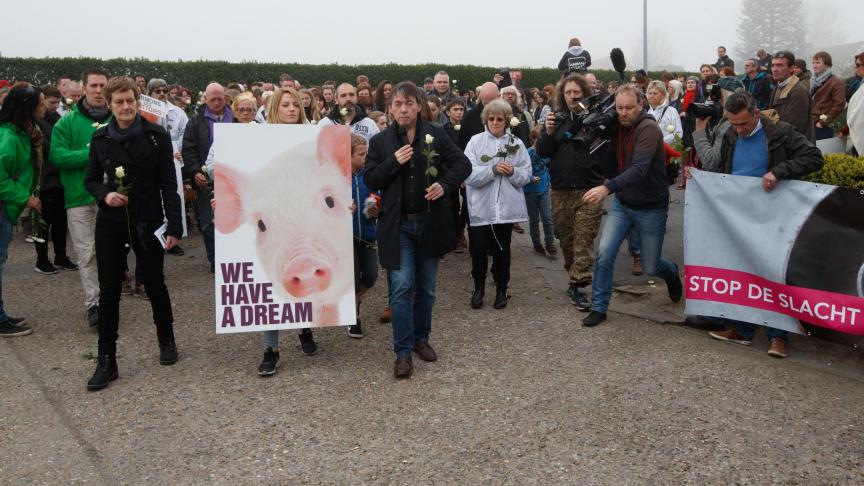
(160, 90)
(499, 119)
(245, 110)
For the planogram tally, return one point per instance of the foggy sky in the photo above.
(505, 33)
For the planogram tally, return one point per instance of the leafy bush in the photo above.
(840, 170)
(197, 74)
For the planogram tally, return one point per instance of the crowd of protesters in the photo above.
(78, 158)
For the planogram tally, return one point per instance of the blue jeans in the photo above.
(634, 242)
(540, 208)
(650, 225)
(5, 239)
(747, 330)
(205, 222)
(412, 290)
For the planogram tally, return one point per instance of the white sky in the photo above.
(504, 33)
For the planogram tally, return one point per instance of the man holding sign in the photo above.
(752, 145)
(414, 164)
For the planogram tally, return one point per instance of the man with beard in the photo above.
(348, 112)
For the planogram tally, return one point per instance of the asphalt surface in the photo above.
(524, 395)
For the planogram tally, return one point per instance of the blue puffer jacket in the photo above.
(364, 228)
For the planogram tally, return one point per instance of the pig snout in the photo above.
(303, 275)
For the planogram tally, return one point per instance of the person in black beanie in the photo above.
(131, 175)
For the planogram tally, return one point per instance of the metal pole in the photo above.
(645, 35)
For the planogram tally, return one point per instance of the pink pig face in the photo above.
(294, 209)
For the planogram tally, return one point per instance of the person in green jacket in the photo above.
(20, 152)
(70, 152)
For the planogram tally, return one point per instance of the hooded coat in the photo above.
(575, 60)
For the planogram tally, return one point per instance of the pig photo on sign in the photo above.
(294, 204)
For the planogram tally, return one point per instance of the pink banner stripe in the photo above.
(840, 312)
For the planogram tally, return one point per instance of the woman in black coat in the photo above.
(131, 174)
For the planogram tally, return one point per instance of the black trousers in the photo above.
(460, 210)
(54, 213)
(111, 238)
(494, 239)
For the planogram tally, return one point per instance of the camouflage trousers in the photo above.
(576, 227)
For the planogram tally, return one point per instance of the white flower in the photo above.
(514, 122)
(119, 172)
(343, 111)
(454, 81)
(314, 122)
(823, 118)
(670, 128)
(95, 125)
(69, 101)
(457, 127)
(429, 139)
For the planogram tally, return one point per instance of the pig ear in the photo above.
(229, 185)
(334, 147)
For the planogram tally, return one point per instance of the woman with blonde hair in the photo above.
(310, 107)
(244, 108)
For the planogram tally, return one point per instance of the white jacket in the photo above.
(495, 198)
(669, 118)
(177, 120)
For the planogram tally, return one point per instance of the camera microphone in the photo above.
(618, 61)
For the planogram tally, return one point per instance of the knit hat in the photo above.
(156, 83)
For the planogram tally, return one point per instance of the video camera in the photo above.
(711, 108)
(598, 119)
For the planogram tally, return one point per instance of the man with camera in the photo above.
(641, 201)
(573, 171)
(750, 144)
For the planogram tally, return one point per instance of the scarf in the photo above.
(688, 98)
(95, 114)
(35, 135)
(816, 82)
(123, 135)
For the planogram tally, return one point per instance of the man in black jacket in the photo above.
(723, 60)
(772, 151)
(416, 167)
(641, 191)
(573, 171)
(197, 140)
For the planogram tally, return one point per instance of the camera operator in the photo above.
(573, 171)
(750, 144)
(641, 200)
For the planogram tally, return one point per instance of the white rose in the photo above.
(670, 128)
(457, 127)
(343, 111)
(514, 122)
(119, 172)
(69, 101)
(95, 125)
(823, 118)
(429, 138)
(454, 81)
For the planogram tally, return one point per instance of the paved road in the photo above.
(524, 395)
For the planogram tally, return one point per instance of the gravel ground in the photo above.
(520, 396)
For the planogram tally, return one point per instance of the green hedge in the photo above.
(840, 170)
(197, 74)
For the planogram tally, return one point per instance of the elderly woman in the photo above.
(131, 174)
(244, 108)
(500, 166)
(666, 116)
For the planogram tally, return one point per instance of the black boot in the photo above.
(477, 296)
(167, 350)
(500, 298)
(106, 371)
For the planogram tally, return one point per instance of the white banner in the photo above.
(284, 251)
(785, 259)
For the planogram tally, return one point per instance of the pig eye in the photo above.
(329, 202)
(261, 226)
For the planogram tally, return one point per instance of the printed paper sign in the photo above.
(786, 259)
(284, 251)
